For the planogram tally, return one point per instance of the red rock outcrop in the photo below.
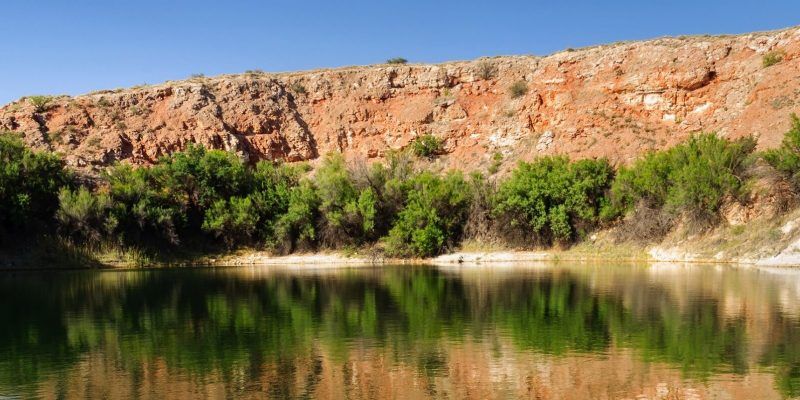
(614, 101)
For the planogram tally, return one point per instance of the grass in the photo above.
(771, 58)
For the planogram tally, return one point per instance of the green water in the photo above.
(539, 331)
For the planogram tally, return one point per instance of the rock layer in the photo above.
(613, 101)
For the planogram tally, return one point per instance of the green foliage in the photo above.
(297, 227)
(786, 158)
(29, 185)
(771, 58)
(397, 60)
(518, 89)
(86, 216)
(234, 220)
(433, 217)
(693, 177)
(427, 146)
(552, 199)
(40, 103)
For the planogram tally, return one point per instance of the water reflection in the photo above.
(563, 331)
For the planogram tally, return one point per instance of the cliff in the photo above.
(613, 101)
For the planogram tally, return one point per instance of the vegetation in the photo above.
(786, 158)
(199, 201)
(771, 58)
(486, 70)
(518, 89)
(691, 179)
(553, 200)
(29, 185)
(397, 60)
(427, 146)
(40, 103)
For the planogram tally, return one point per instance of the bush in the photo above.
(486, 70)
(86, 217)
(771, 58)
(692, 178)
(518, 89)
(233, 220)
(552, 199)
(297, 227)
(348, 212)
(40, 103)
(786, 158)
(433, 217)
(29, 185)
(427, 146)
(397, 60)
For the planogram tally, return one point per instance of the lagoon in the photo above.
(549, 331)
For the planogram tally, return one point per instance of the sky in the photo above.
(77, 46)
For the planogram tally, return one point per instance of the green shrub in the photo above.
(433, 217)
(786, 158)
(234, 220)
(427, 146)
(86, 217)
(348, 213)
(552, 199)
(397, 60)
(297, 227)
(771, 58)
(29, 185)
(692, 178)
(40, 103)
(518, 89)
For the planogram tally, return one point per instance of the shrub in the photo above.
(397, 60)
(786, 158)
(233, 220)
(348, 212)
(297, 227)
(486, 70)
(691, 178)
(518, 89)
(298, 88)
(86, 217)
(427, 146)
(40, 103)
(433, 217)
(771, 58)
(552, 199)
(29, 185)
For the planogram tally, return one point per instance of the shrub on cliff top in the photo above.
(397, 60)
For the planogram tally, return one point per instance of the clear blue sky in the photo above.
(75, 46)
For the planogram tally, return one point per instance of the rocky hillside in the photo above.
(614, 101)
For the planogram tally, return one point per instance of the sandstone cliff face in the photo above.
(613, 101)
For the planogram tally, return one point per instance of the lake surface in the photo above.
(540, 331)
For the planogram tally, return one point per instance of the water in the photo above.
(539, 331)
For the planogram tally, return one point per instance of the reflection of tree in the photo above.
(204, 322)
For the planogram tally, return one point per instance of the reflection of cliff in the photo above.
(471, 370)
(416, 329)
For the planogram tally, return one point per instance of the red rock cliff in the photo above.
(614, 101)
